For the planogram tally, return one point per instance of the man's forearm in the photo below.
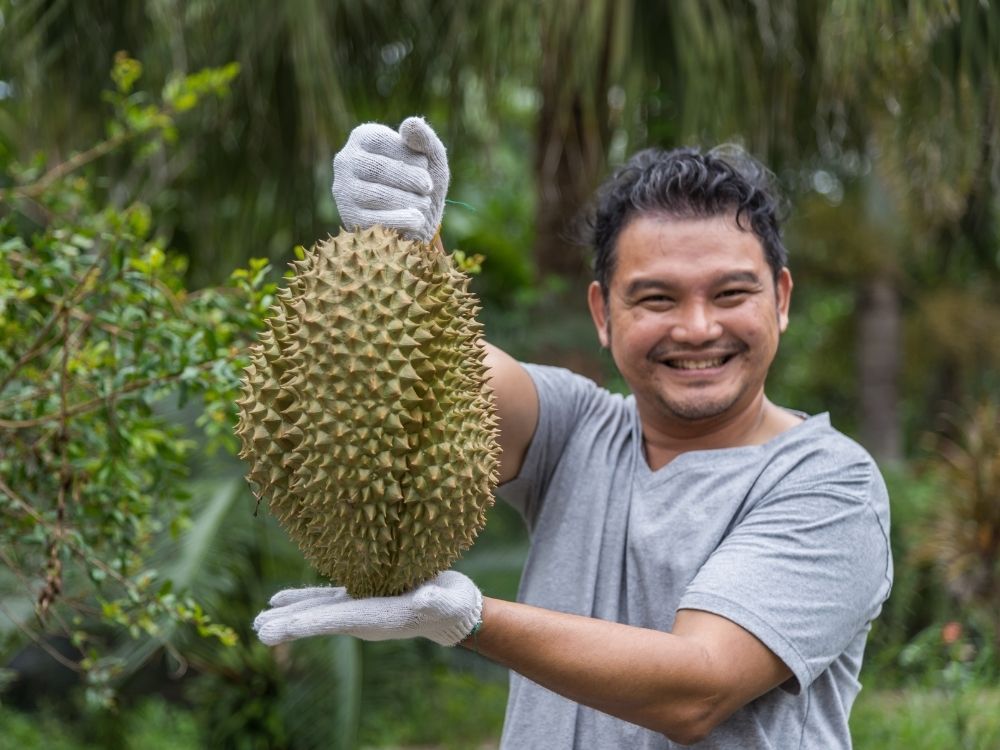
(654, 679)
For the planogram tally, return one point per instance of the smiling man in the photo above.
(705, 565)
(692, 315)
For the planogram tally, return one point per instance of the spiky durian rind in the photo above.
(365, 415)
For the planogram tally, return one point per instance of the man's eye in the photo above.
(655, 299)
(731, 294)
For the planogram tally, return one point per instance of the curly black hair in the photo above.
(687, 183)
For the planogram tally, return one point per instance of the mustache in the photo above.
(721, 348)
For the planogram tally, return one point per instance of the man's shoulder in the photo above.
(816, 439)
(815, 452)
(555, 383)
(579, 419)
(558, 373)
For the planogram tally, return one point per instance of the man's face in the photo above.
(693, 317)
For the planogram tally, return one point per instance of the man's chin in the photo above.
(697, 412)
(697, 409)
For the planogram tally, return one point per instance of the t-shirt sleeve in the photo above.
(805, 570)
(563, 398)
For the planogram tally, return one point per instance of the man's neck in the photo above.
(755, 424)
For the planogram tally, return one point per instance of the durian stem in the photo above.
(437, 244)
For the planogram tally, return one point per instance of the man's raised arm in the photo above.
(517, 406)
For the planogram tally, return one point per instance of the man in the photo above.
(705, 565)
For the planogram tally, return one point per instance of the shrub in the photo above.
(96, 330)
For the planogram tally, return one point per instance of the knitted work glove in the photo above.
(398, 180)
(444, 609)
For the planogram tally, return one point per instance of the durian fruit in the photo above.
(365, 414)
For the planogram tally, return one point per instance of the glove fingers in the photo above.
(323, 593)
(264, 619)
(278, 630)
(419, 136)
(376, 619)
(396, 179)
(444, 610)
(375, 139)
(294, 601)
(372, 138)
(410, 176)
(283, 629)
(286, 611)
(384, 198)
(407, 221)
(371, 619)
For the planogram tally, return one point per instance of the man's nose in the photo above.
(696, 324)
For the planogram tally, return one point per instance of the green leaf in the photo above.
(185, 101)
(126, 72)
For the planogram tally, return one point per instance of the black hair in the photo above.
(686, 183)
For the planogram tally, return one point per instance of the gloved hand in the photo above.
(398, 180)
(444, 609)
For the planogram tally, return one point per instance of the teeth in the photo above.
(697, 364)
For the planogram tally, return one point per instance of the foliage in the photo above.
(964, 534)
(331, 692)
(948, 698)
(809, 373)
(426, 703)
(96, 329)
(153, 725)
(950, 656)
(927, 719)
(939, 628)
(313, 71)
(237, 702)
(300, 696)
(918, 601)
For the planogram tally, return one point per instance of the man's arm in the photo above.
(681, 684)
(516, 402)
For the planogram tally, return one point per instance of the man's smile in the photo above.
(710, 359)
(697, 364)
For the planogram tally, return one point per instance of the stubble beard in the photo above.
(689, 410)
(697, 410)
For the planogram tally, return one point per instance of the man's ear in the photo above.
(783, 290)
(599, 312)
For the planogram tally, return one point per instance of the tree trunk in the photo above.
(879, 362)
(572, 133)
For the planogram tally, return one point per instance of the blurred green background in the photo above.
(160, 160)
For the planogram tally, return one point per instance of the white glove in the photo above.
(398, 180)
(445, 610)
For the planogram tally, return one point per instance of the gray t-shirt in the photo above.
(790, 540)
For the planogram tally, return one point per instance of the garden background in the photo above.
(162, 160)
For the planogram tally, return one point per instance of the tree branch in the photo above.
(53, 569)
(40, 642)
(87, 558)
(94, 403)
(69, 301)
(34, 189)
